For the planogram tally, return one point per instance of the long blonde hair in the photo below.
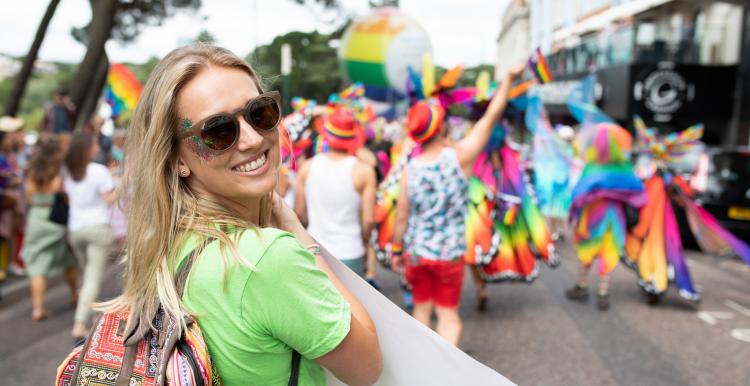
(162, 210)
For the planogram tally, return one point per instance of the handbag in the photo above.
(60, 208)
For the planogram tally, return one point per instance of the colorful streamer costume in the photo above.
(607, 184)
(553, 162)
(654, 246)
(505, 231)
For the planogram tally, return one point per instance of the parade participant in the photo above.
(12, 161)
(90, 191)
(9, 193)
(202, 162)
(336, 192)
(59, 113)
(606, 188)
(654, 245)
(431, 207)
(45, 248)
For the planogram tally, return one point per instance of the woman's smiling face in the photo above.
(248, 170)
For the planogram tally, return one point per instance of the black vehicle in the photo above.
(723, 188)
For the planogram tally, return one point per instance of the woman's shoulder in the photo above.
(267, 246)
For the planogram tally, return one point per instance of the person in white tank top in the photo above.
(335, 194)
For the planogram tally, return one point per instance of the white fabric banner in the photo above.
(412, 353)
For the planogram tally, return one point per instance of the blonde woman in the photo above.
(203, 160)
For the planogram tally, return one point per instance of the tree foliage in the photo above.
(39, 91)
(133, 16)
(315, 64)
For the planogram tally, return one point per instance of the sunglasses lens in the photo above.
(220, 132)
(263, 113)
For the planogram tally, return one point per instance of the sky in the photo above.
(460, 32)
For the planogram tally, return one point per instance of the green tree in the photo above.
(37, 92)
(120, 19)
(315, 64)
(205, 37)
(143, 71)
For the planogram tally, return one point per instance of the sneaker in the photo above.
(408, 302)
(482, 303)
(578, 293)
(371, 281)
(16, 270)
(602, 301)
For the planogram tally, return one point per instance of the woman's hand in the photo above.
(516, 71)
(283, 217)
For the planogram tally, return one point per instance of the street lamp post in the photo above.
(286, 70)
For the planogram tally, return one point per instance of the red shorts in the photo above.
(437, 281)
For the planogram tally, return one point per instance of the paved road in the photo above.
(531, 333)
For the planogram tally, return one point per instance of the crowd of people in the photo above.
(58, 195)
(232, 206)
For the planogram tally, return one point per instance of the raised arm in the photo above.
(469, 148)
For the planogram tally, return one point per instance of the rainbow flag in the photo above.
(539, 67)
(123, 89)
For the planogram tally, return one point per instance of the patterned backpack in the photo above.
(111, 356)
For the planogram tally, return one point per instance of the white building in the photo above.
(673, 62)
(579, 35)
(513, 40)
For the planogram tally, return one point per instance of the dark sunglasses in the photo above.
(219, 132)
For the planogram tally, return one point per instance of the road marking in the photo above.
(742, 334)
(712, 317)
(738, 307)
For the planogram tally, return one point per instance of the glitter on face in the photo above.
(196, 145)
(187, 124)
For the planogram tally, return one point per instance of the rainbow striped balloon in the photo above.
(123, 89)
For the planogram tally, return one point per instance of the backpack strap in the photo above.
(183, 271)
(294, 377)
(135, 332)
(85, 347)
(128, 362)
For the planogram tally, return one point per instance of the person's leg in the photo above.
(423, 312)
(448, 283)
(97, 244)
(580, 290)
(4, 258)
(602, 295)
(481, 286)
(71, 277)
(421, 282)
(371, 264)
(449, 324)
(357, 265)
(38, 288)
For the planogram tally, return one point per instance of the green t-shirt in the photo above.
(254, 319)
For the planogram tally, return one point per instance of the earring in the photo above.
(184, 172)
